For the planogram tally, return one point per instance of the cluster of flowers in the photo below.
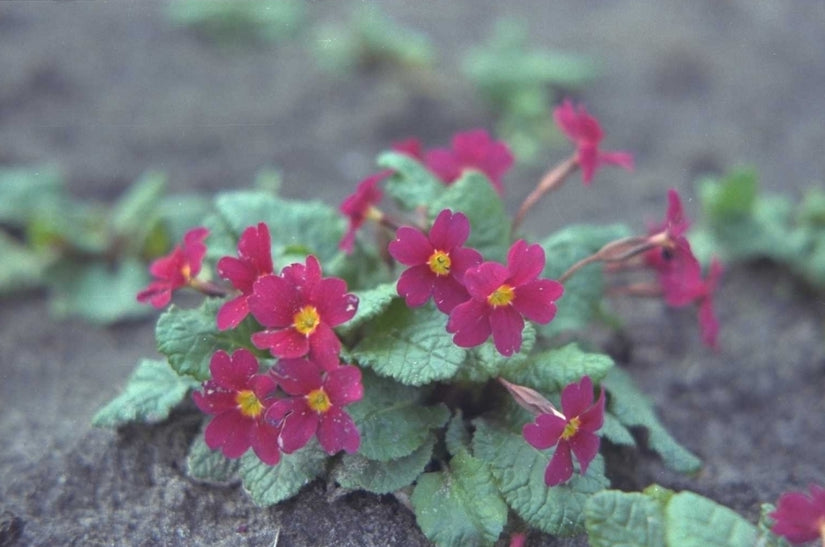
(304, 393)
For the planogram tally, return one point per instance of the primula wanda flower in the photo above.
(471, 150)
(299, 309)
(254, 260)
(360, 205)
(575, 432)
(708, 323)
(315, 405)
(175, 270)
(800, 517)
(500, 296)
(584, 130)
(437, 261)
(237, 396)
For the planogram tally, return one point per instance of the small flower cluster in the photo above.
(800, 517)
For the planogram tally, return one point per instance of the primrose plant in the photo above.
(415, 342)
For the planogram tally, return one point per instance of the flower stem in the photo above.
(551, 180)
(615, 251)
(207, 287)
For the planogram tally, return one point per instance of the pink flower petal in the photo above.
(229, 432)
(447, 294)
(343, 385)
(214, 399)
(585, 446)
(233, 372)
(620, 159)
(545, 432)
(449, 230)
(525, 262)
(297, 376)
(337, 431)
(416, 284)
(560, 468)
(264, 441)
(592, 419)
(285, 343)
(232, 313)
(577, 397)
(484, 279)
(507, 326)
(298, 428)
(334, 304)
(410, 247)
(469, 324)
(241, 274)
(274, 301)
(536, 300)
(255, 246)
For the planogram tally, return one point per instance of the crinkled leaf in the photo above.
(693, 520)
(474, 195)
(549, 371)
(70, 225)
(615, 432)
(21, 268)
(382, 477)
(392, 420)
(457, 436)
(134, 215)
(189, 337)
(584, 291)
(519, 472)
(270, 484)
(485, 362)
(371, 303)
(411, 185)
(24, 190)
(210, 466)
(410, 345)
(615, 518)
(634, 409)
(732, 196)
(96, 291)
(151, 392)
(459, 506)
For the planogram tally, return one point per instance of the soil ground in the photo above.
(106, 90)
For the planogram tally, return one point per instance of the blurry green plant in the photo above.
(521, 85)
(239, 22)
(742, 223)
(91, 258)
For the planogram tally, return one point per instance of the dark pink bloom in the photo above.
(437, 261)
(471, 150)
(584, 130)
(237, 396)
(800, 517)
(175, 270)
(315, 405)
(358, 206)
(254, 260)
(575, 432)
(500, 296)
(300, 309)
(708, 323)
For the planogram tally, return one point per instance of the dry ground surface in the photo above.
(106, 90)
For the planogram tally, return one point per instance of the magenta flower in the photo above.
(315, 405)
(501, 296)
(237, 396)
(708, 323)
(254, 260)
(437, 261)
(175, 270)
(360, 205)
(800, 517)
(575, 432)
(300, 308)
(471, 150)
(584, 130)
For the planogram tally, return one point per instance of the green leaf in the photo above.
(21, 268)
(766, 537)
(382, 477)
(210, 466)
(485, 362)
(70, 225)
(411, 185)
(371, 303)
(633, 409)
(96, 291)
(136, 212)
(189, 337)
(311, 226)
(459, 506)
(623, 518)
(457, 436)
(151, 392)
(270, 484)
(732, 196)
(410, 345)
(549, 371)
(519, 472)
(615, 432)
(24, 190)
(474, 195)
(693, 520)
(584, 291)
(392, 420)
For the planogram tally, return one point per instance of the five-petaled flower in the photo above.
(175, 270)
(238, 396)
(254, 260)
(473, 149)
(314, 405)
(360, 205)
(800, 517)
(584, 130)
(299, 309)
(575, 431)
(500, 296)
(437, 261)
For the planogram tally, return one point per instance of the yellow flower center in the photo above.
(571, 428)
(318, 400)
(248, 403)
(306, 320)
(186, 271)
(439, 262)
(502, 296)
